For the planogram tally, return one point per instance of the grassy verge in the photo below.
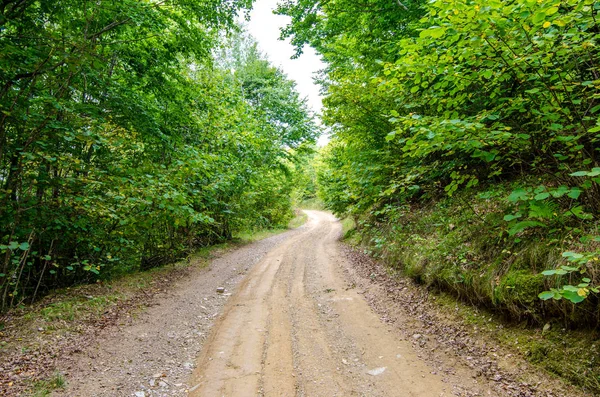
(568, 354)
(459, 249)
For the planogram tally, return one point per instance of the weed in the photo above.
(46, 387)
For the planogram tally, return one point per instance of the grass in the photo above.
(458, 248)
(45, 387)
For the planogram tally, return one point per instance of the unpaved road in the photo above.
(294, 321)
(295, 328)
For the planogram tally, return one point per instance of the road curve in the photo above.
(295, 328)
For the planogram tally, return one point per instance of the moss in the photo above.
(538, 352)
(571, 355)
(519, 287)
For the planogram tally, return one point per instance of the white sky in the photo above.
(264, 27)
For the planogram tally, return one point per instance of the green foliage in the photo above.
(582, 290)
(125, 142)
(450, 99)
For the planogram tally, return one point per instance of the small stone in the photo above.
(41, 329)
(377, 371)
(220, 290)
(162, 384)
(140, 394)
(417, 336)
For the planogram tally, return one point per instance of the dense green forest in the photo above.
(465, 140)
(132, 132)
(466, 143)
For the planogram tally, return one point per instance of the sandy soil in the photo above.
(295, 320)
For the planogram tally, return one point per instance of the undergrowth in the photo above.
(459, 248)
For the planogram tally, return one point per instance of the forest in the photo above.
(464, 150)
(465, 143)
(132, 132)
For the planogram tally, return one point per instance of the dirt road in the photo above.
(295, 328)
(294, 321)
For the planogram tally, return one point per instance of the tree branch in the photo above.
(402, 5)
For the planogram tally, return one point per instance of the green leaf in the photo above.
(539, 17)
(574, 194)
(518, 195)
(542, 196)
(519, 227)
(551, 272)
(509, 217)
(437, 32)
(573, 296)
(546, 295)
(570, 254)
(579, 173)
